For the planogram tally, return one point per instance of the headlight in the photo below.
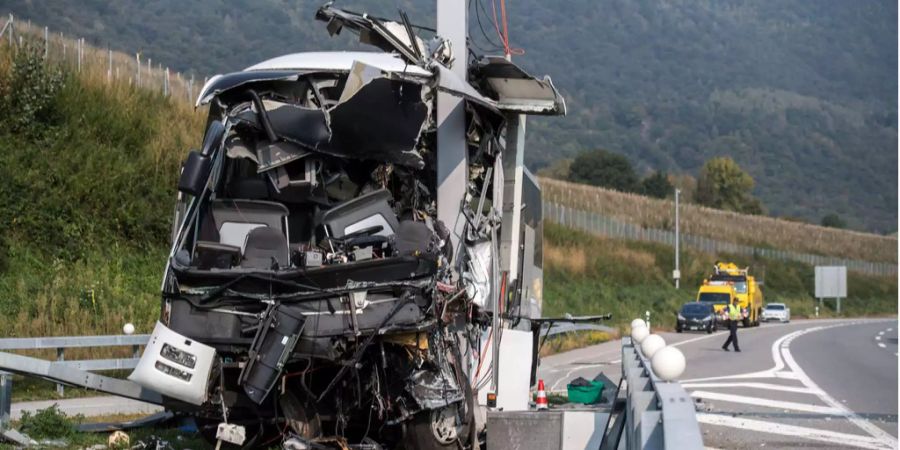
(169, 370)
(708, 318)
(178, 356)
(680, 317)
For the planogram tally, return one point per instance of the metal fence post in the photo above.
(11, 24)
(60, 356)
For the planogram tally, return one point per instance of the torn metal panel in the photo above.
(360, 75)
(477, 278)
(453, 84)
(310, 62)
(382, 121)
(516, 90)
(433, 389)
(222, 83)
(350, 129)
(386, 35)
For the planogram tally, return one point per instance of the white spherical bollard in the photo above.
(668, 363)
(637, 323)
(128, 328)
(638, 334)
(651, 344)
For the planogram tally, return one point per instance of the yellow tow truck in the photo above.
(729, 281)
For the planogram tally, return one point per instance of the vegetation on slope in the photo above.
(88, 183)
(721, 225)
(801, 94)
(584, 274)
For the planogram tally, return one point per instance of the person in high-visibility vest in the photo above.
(734, 315)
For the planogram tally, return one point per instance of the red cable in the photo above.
(505, 29)
(497, 27)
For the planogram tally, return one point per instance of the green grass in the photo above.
(51, 424)
(88, 183)
(584, 274)
(29, 388)
(568, 341)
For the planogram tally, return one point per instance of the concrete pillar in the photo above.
(452, 161)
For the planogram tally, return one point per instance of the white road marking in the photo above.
(766, 386)
(877, 338)
(881, 333)
(698, 338)
(881, 344)
(782, 358)
(831, 437)
(883, 436)
(890, 329)
(730, 398)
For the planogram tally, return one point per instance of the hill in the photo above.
(802, 94)
(726, 226)
(88, 181)
(87, 177)
(584, 274)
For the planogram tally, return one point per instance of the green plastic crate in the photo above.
(585, 394)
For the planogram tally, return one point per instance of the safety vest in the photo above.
(734, 313)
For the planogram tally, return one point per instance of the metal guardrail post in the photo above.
(60, 356)
(5, 399)
(659, 414)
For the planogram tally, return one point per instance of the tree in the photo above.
(559, 169)
(656, 185)
(604, 168)
(833, 221)
(724, 185)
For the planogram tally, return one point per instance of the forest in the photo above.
(801, 94)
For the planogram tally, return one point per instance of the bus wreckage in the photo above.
(312, 293)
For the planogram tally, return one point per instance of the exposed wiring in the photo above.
(479, 9)
(504, 34)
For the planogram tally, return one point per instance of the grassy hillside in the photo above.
(745, 229)
(801, 93)
(589, 275)
(87, 176)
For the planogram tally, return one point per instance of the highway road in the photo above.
(806, 384)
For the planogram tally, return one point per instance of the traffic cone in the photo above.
(541, 396)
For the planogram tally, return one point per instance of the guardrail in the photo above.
(60, 344)
(659, 414)
(566, 327)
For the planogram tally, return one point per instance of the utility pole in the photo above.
(452, 164)
(676, 274)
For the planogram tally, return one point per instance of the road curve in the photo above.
(806, 384)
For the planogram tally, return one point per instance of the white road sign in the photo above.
(831, 282)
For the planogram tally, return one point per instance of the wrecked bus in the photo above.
(311, 291)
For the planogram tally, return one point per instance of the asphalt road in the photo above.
(806, 384)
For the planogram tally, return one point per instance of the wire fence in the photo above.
(697, 220)
(594, 223)
(139, 71)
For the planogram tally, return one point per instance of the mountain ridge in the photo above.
(801, 94)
